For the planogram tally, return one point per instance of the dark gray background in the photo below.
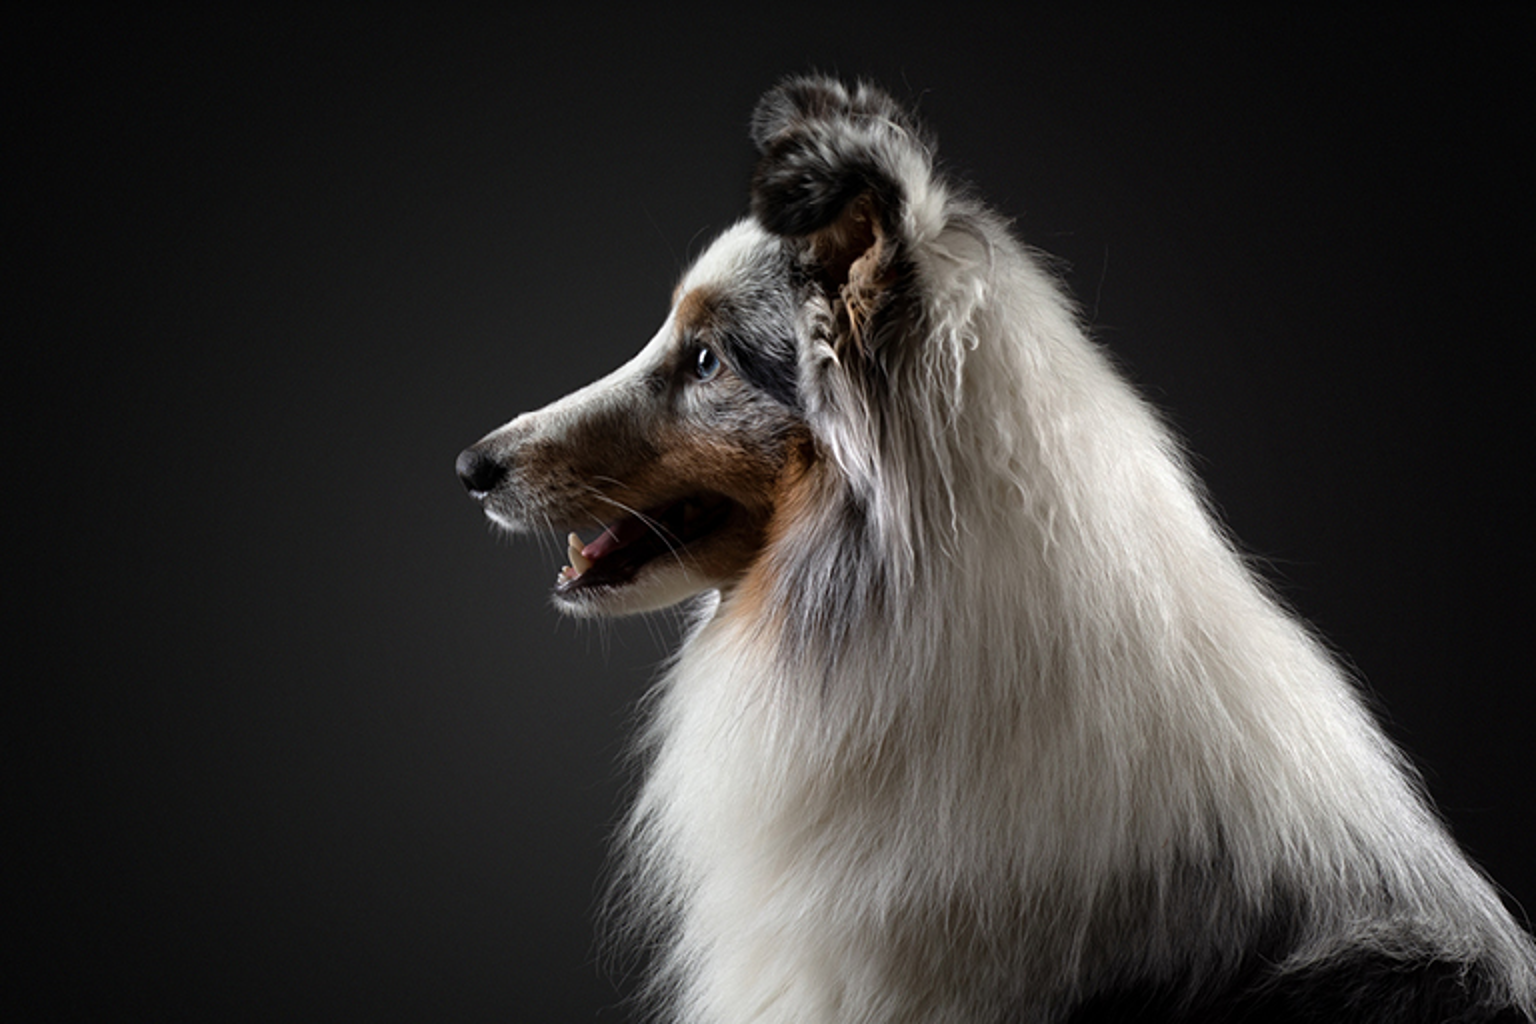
(292, 735)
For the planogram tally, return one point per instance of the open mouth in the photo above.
(631, 542)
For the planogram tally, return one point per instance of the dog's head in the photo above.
(685, 463)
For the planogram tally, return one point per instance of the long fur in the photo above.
(988, 721)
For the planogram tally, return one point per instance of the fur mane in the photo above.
(1101, 750)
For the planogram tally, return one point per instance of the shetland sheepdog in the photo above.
(979, 716)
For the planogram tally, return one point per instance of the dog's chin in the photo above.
(653, 588)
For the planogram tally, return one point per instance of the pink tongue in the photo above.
(614, 537)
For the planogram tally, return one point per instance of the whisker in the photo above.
(549, 547)
(667, 537)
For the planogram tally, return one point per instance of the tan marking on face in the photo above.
(696, 310)
(797, 492)
(607, 465)
(689, 463)
(564, 473)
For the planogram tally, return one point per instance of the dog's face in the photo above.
(675, 472)
(669, 470)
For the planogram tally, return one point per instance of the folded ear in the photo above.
(822, 147)
(841, 170)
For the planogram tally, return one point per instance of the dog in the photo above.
(978, 716)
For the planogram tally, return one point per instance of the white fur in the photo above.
(1083, 681)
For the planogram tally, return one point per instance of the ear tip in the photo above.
(822, 145)
(794, 101)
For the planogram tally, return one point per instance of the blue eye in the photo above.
(707, 364)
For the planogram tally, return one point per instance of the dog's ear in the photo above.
(821, 148)
(839, 170)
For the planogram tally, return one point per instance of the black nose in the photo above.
(478, 470)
